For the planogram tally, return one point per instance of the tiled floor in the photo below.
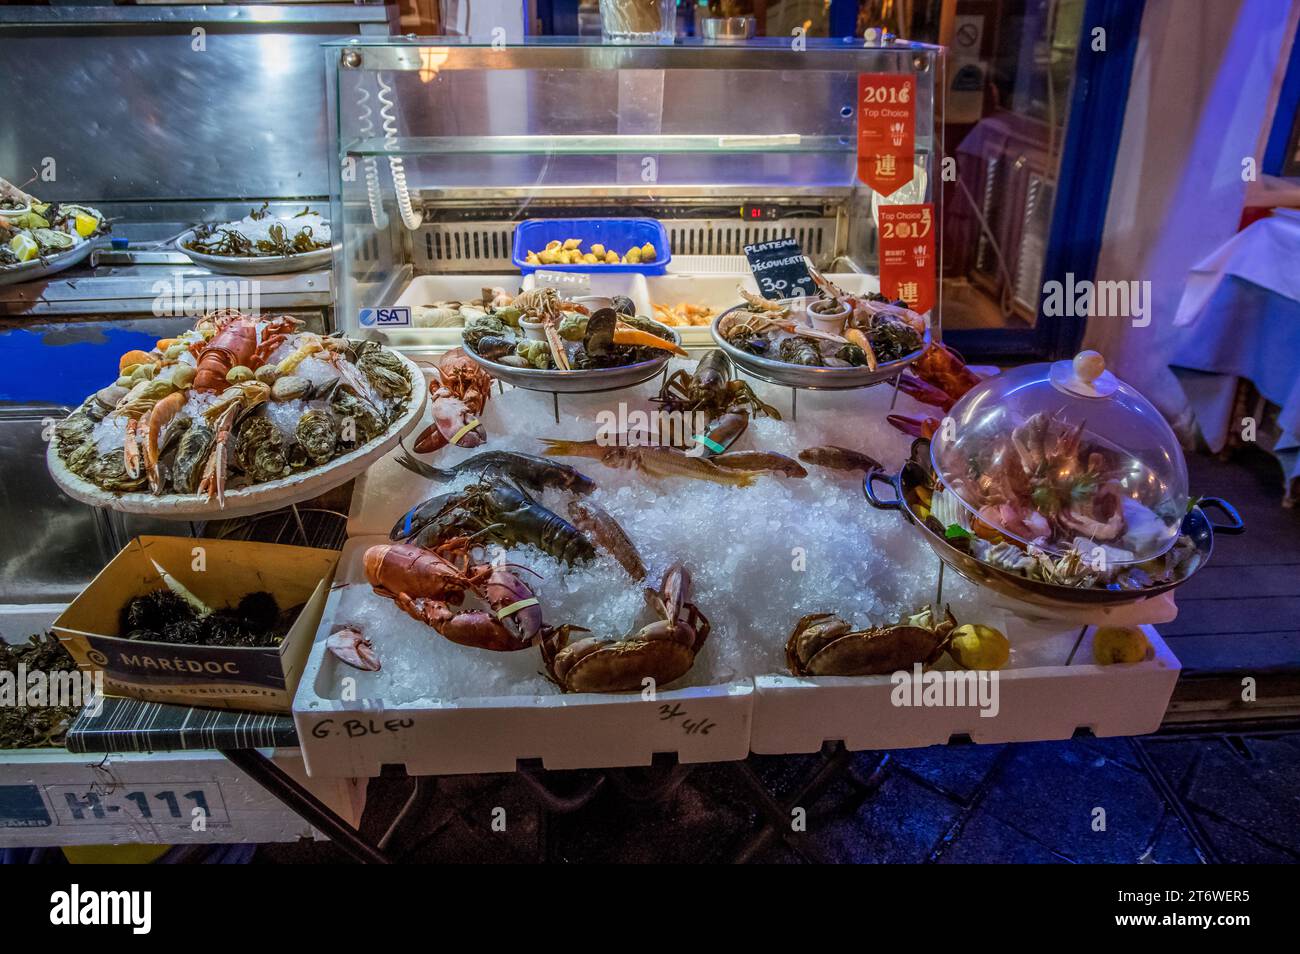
(1155, 800)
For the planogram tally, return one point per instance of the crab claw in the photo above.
(914, 426)
(924, 392)
(354, 649)
(674, 591)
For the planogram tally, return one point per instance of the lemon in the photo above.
(24, 246)
(979, 647)
(1120, 644)
(86, 224)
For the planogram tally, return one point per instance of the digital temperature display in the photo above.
(752, 212)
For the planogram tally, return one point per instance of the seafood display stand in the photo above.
(433, 252)
(439, 226)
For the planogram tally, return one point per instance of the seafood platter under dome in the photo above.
(236, 416)
(1057, 484)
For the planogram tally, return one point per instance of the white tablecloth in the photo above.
(1240, 315)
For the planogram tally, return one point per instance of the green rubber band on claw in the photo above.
(709, 442)
(455, 438)
(516, 607)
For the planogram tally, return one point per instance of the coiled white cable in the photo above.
(366, 127)
(410, 218)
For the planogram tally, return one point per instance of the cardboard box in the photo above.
(219, 572)
(491, 734)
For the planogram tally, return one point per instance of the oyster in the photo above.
(316, 435)
(109, 472)
(260, 450)
(358, 420)
(191, 455)
(384, 370)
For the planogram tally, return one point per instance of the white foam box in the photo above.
(1049, 689)
(491, 734)
(425, 290)
(712, 289)
(52, 797)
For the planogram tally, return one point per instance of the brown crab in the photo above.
(822, 644)
(663, 650)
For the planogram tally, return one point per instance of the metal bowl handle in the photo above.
(1236, 526)
(869, 490)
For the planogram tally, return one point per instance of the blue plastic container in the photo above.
(617, 234)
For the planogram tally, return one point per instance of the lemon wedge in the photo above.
(86, 224)
(24, 246)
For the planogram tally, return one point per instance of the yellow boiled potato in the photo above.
(1120, 644)
(633, 256)
(571, 244)
(611, 257)
(979, 647)
(589, 258)
(648, 252)
(598, 250)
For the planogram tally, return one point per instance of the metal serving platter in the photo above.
(36, 268)
(578, 382)
(258, 498)
(916, 473)
(809, 378)
(256, 264)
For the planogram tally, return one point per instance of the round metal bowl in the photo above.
(577, 382)
(36, 268)
(809, 378)
(917, 473)
(257, 498)
(256, 264)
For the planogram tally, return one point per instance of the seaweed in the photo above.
(28, 727)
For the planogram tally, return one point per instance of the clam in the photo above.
(290, 387)
(108, 398)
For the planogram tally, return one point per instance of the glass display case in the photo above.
(445, 147)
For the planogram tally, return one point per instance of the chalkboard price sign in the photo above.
(780, 269)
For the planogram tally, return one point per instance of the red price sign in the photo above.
(886, 130)
(907, 268)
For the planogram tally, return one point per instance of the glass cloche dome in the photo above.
(1063, 457)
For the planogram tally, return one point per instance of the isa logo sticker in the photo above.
(396, 317)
